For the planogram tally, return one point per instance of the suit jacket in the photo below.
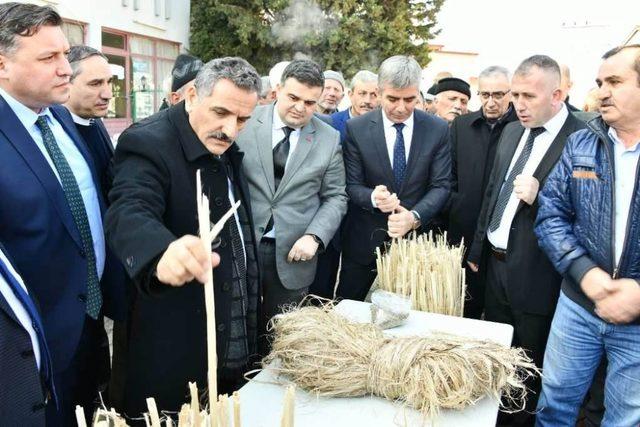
(533, 283)
(425, 188)
(311, 197)
(21, 392)
(339, 122)
(101, 149)
(154, 203)
(38, 230)
(473, 147)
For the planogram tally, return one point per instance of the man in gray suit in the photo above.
(293, 162)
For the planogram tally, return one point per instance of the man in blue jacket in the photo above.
(589, 226)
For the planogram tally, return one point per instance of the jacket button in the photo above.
(26, 354)
(218, 201)
(221, 327)
(82, 298)
(226, 287)
(223, 243)
(261, 229)
(130, 261)
(215, 169)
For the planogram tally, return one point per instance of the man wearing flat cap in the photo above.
(183, 74)
(452, 96)
(332, 93)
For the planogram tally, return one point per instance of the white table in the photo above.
(262, 400)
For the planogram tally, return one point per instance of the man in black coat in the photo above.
(398, 166)
(152, 224)
(474, 138)
(522, 285)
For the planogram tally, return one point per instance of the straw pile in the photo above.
(324, 353)
(427, 270)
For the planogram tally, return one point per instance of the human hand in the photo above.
(621, 305)
(385, 201)
(526, 188)
(474, 267)
(184, 260)
(400, 222)
(596, 284)
(303, 249)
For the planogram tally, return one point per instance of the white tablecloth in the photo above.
(262, 400)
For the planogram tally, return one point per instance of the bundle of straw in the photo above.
(325, 353)
(427, 270)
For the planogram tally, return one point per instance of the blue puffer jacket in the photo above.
(575, 223)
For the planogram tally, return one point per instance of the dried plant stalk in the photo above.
(427, 270)
(325, 353)
(153, 412)
(287, 407)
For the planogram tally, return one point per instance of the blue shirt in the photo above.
(77, 163)
(625, 165)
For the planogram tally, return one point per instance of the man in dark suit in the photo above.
(152, 224)
(398, 165)
(26, 382)
(522, 285)
(52, 206)
(88, 104)
(363, 94)
(474, 138)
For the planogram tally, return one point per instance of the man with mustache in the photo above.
(363, 94)
(398, 166)
(451, 98)
(522, 286)
(152, 224)
(589, 226)
(52, 205)
(474, 138)
(296, 176)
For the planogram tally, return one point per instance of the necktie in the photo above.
(280, 154)
(399, 159)
(76, 204)
(27, 303)
(507, 187)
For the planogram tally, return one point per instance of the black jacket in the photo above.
(473, 149)
(533, 282)
(425, 188)
(154, 203)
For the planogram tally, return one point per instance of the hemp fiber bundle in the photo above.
(427, 270)
(325, 353)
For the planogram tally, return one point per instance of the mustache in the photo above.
(606, 103)
(220, 136)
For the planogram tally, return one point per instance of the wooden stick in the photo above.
(287, 407)
(204, 222)
(195, 405)
(236, 410)
(80, 419)
(153, 412)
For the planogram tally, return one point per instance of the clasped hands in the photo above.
(400, 220)
(617, 300)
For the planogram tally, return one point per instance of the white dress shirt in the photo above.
(625, 165)
(18, 309)
(277, 135)
(500, 237)
(390, 134)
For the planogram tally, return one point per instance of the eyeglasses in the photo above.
(497, 96)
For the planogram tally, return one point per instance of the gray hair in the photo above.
(305, 71)
(266, 87)
(399, 72)
(79, 53)
(544, 62)
(363, 76)
(494, 70)
(237, 70)
(24, 20)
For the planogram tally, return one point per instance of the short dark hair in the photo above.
(544, 62)
(616, 50)
(305, 71)
(79, 53)
(21, 19)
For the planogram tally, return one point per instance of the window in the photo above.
(74, 32)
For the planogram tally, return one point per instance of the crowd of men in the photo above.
(545, 198)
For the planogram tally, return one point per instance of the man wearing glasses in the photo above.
(474, 138)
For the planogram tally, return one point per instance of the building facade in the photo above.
(141, 39)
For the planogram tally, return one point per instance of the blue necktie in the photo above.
(76, 204)
(399, 159)
(27, 303)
